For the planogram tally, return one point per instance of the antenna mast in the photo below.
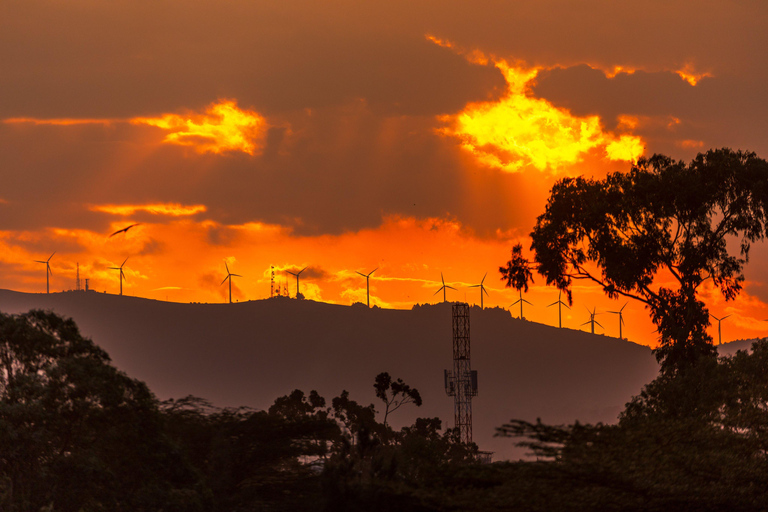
(77, 287)
(272, 282)
(461, 383)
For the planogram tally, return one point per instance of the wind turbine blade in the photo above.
(473, 286)
(527, 302)
(625, 305)
(236, 275)
(361, 274)
(726, 316)
(49, 257)
(598, 323)
(483, 290)
(38, 261)
(564, 304)
(552, 304)
(226, 266)
(450, 287)
(372, 271)
(126, 259)
(302, 270)
(442, 279)
(438, 291)
(585, 323)
(225, 279)
(484, 276)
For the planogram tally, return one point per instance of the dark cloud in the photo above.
(152, 246)
(717, 111)
(119, 59)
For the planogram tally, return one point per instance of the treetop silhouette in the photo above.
(663, 217)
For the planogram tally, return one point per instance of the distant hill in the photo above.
(732, 347)
(250, 353)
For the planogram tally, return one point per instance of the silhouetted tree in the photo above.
(77, 434)
(662, 217)
(692, 440)
(517, 271)
(394, 394)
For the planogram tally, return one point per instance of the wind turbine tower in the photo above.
(272, 281)
(719, 332)
(77, 283)
(122, 275)
(592, 320)
(560, 305)
(443, 288)
(482, 289)
(297, 279)
(48, 272)
(461, 383)
(229, 276)
(621, 318)
(521, 300)
(367, 284)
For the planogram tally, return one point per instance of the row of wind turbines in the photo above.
(443, 288)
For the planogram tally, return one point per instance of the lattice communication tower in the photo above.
(461, 383)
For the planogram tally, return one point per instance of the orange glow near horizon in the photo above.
(520, 130)
(222, 128)
(159, 267)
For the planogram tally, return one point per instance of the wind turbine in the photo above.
(592, 315)
(521, 300)
(443, 288)
(48, 272)
(122, 275)
(559, 309)
(367, 284)
(229, 276)
(297, 279)
(719, 333)
(482, 289)
(621, 318)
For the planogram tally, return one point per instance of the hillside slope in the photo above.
(250, 353)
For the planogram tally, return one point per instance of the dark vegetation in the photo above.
(78, 435)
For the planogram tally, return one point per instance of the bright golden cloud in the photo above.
(690, 75)
(172, 209)
(520, 130)
(222, 128)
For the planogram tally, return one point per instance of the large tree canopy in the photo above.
(657, 234)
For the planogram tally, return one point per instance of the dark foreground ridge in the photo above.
(249, 353)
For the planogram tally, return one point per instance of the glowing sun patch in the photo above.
(520, 130)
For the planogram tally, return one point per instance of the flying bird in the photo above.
(124, 230)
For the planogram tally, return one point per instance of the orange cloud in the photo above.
(222, 128)
(59, 121)
(689, 74)
(690, 144)
(172, 209)
(520, 130)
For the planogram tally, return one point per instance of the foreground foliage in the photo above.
(78, 435)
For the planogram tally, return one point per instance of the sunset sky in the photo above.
(417, 138)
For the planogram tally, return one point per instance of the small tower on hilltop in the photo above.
(461, 383)
(272, 282)
(77, 283)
